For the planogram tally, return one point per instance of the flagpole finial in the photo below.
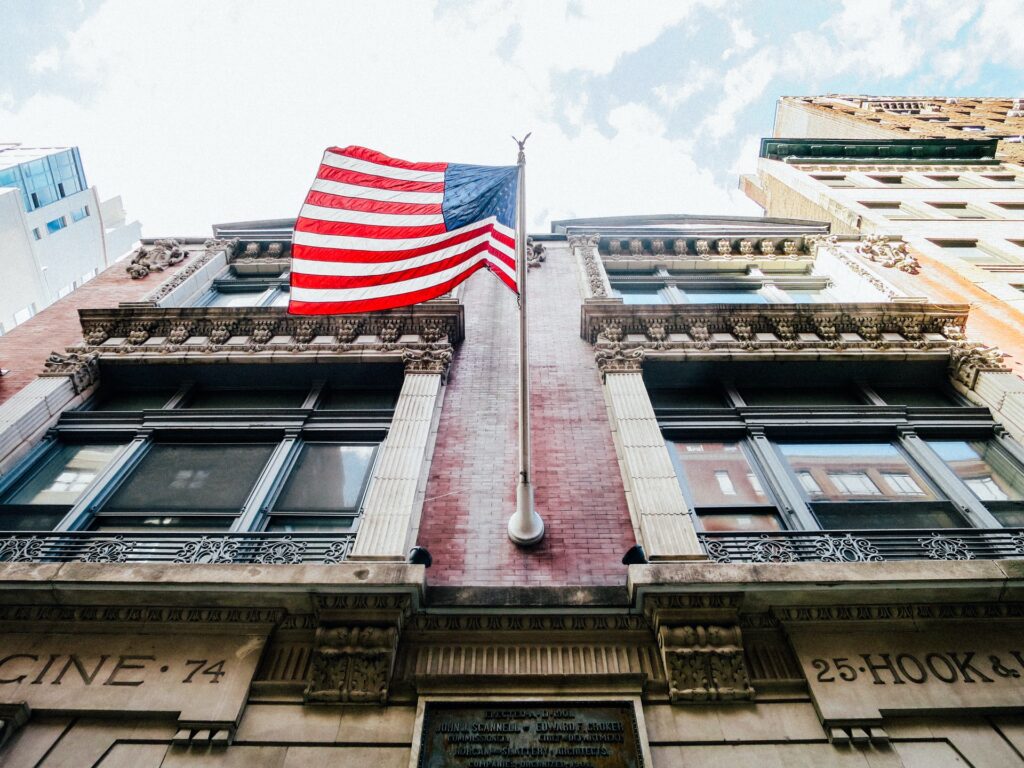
(522, 146)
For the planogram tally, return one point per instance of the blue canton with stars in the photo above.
(475, 192)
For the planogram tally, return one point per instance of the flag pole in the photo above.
(525, 527)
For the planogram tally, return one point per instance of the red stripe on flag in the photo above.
(327, 200)
(325, 253)
(345, 176)
(302, 280)
(373, 231)
(384, 302)
(370, 156)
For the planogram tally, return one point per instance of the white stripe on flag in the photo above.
(389, 289)
(373, 193)
(355, 269)
(366, 217)
(346, 242)
(375, 169)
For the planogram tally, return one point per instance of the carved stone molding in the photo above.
(36, 614)
(891, 253)
(705, 663)
(352, 664)
(434, 359)
(898, 612)
(155, 258)
(536, 253)
(210, 249)
(615, 358)
(728, 248)
(12, 717)
(81, 367)
(586, 246)
(967, 360)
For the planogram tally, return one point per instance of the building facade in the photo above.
(782, 528)
(55, 232)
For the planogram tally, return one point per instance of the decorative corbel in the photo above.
(705, 663)
(82, 368)
(352, 664)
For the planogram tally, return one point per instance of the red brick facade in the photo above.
(24, 350)
(578, 488)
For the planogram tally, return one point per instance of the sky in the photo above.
(207, 112)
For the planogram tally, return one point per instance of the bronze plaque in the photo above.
(546, 735)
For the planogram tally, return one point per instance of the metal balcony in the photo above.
(864, 546)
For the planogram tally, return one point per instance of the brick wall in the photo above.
(578, 489)
(24, 350)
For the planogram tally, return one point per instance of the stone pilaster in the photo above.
(652, 489)
(391, 501)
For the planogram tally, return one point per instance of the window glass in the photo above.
(133, 400)
(833, 180)
(56, 224)
(739, 521)
(916, 396)
(821, 396)
(724, 297)
(296, 524)
(358, 399)
(842, 472)
(718, 474)
(639, 294)
(64, 475)
(192, 478)
(808, 296)
(327, 478)
(687, 398)
(280, 298)
(247, 398)
(236, 298)
(887, 516)
(985, 469)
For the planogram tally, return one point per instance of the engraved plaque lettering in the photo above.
(544, 735)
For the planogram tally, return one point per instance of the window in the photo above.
(800, 396)
(324, 489)
(749, 296)
(80, 213)
(56, 224)
(248, 290)
(902, 483)
(639, 294)
(250, 472)
(989, 472)
(960, 210)
(953, 181)
(47, 489)
(1001, 178)
(917, 396)
(36, 234)
(831, 180)
(186, 486)
(969, 251)
(723, 488)
(892, 181)
(1011, 206)
(23, 314)
(683, 287)
(891, 210)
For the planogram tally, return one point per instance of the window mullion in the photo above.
(256, 506)
(81, 514)
(791, 502)
(946, 480)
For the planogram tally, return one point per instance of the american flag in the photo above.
(377, 233)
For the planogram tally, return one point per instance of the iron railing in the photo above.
(165, 547)
(864, 546)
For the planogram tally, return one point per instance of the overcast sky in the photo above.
(203, 112)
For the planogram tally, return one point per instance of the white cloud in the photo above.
(47, 60)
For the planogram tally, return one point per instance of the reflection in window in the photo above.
(718, 474)
(985, 469)
(324, 489)
(639, 294)
(62, 477)
(194, 486)
(902, 483)
(850, 471)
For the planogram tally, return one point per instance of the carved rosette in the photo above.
(352, 664)
(705, 663)
(82, 368)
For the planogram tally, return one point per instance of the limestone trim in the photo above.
(391, 504)
(29, 412)
(155, 258)
(81, 368)
(352, 664)
(584, 248)
(705, 663)
(653, 494)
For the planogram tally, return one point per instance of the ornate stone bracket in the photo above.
(352, 664)
(81, 367)
(889, 252)
(967, 360)
(155, 258)
(436, 359)
(536, 253)
(614, 358)
(12, 717)
(210, 249)
(586, 247)
(705, 663)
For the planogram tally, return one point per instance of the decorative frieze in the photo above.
(352, 664)
(728, 248)
(705, 663)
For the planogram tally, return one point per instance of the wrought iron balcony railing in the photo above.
(174, 547)
(864, 546)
